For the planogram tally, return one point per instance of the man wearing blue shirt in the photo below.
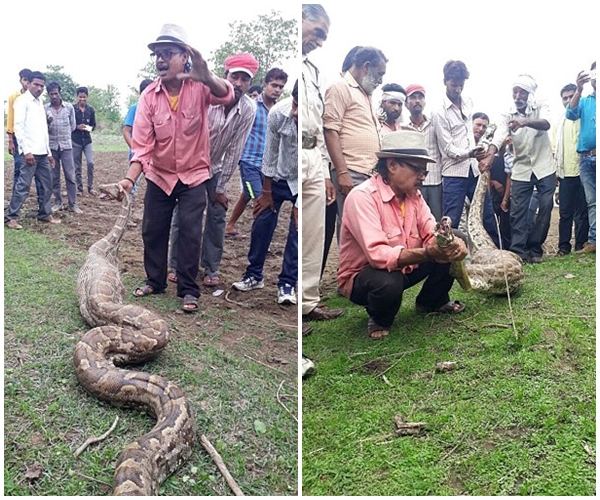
(584, 109)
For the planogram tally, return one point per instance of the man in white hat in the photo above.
(171, 147)
(387, 242)
(527, 123)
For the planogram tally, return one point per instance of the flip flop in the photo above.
(190, 304)
(375, 331)
(234, 235)
(144, 290)
(172, 277)
(452, 307)
(211, 281)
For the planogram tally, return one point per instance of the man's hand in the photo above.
(582, 78)
(124, 187)
(51, 160)
(29, 160)
(200, 71)
(345, 183)
(11, 146)
(518, 123)
(262, 203)
(485, 162)
(498, 186)
(330, 192)
(221, 199)
(504, 205)
(457, 250)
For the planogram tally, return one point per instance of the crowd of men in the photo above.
(388, 178)
(187, 134)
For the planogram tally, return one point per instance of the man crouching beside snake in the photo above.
(388, 241)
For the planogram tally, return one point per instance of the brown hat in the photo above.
(404, 144)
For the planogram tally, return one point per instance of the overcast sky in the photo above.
(552, 41)
(105, 42)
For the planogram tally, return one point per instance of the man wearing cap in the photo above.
(171, 147)
(390, 108)
(419, 122)
(229, 126)
(584, 108)
(387, 243)
(527, 123)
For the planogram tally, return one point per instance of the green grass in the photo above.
(513, 419)
(48, 416)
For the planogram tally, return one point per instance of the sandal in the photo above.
(142, 291)
(172, 277)
(234, 235)
(190, 304)
(452, 307)
(375, 331)
(211, 280)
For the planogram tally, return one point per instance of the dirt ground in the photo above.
(257, 314)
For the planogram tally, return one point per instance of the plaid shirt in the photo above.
(255, 145)
(281, 151)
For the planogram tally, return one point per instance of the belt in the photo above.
(309, 142)
(591, 152)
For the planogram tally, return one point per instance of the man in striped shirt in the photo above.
(280, 171)
(251, 159)
(458, 151)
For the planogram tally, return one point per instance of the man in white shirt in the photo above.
(31, 131)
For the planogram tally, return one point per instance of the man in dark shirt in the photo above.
(85, 118)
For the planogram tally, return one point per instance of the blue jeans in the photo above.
(42, 171)
(78, 151)
(587, 173)
(455, 190)
(263, 228)
(526, 242)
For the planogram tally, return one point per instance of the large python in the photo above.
(129, 334)
(491, 270)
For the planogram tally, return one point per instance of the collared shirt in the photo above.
(255, 145)
(531, 147)
(10, 115)
(386, 128)
(434, 175)
(173, 145)
(61, 126)
(31, 127)
(586, 111)
(374, 232)
(315, 164)
(87, 117)
(454, 135)
(228, 135)
(281, 151)
(564, 137)
(349, 111)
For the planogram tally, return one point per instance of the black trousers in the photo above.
(381, 291)
(572, 208)
(156, 227)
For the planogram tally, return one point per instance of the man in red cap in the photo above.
(432, 185)
(229, 126)
(171, 146)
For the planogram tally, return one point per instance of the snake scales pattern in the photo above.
(125, 334)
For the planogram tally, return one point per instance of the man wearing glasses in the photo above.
(387, 241)
(171, 147)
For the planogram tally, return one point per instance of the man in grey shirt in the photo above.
(61, 123)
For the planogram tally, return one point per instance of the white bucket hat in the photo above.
(404, 144)
(170, 33)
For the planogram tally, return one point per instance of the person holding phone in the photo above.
(171, 147)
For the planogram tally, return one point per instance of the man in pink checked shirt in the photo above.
(387, 241)
(171, 147)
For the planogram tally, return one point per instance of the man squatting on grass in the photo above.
(387, 241)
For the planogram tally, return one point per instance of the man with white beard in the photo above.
(350, 123)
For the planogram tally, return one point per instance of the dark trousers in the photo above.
(572, 208)
(19, 160)
(381, 291)
(42, 171)
(156, 226)
(263, 229)
(64, 157)
(524, 242)
(330, 224)
(455, 190)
